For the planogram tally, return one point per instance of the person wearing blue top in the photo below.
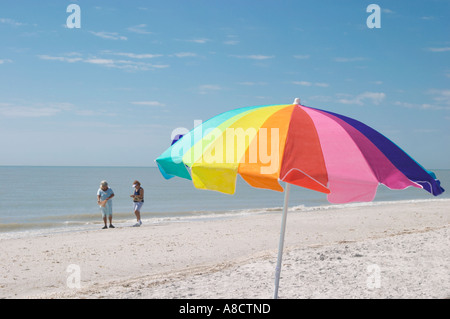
(104, 195)
(138, 201)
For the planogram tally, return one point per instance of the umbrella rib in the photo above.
(297, 169)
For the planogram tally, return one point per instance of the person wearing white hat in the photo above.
(104, 195)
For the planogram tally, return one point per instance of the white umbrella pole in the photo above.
(281, 244)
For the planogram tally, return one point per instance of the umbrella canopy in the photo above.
(300, 145)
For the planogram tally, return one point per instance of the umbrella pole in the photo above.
(281, 244)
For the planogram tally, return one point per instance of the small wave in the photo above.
(11, 227)
(80, 222)
(76, 217)
(24, 226)
(364, 204)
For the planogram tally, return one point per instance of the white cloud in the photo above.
(109, 35)
(340, 59)
(207, 88)
(136, 55)
(302, 57)
(407, 105)
(59, 58)
(11, 22)
(23, 111)
(140, 29)
(254, 57)
(321, 98)
(199, 40)
(148, 103)
(249, 83)
(232, 40)
(3, 61)
(36, 110)
(360, 99)
(184, 55)
(91, 113)
(128, 65)
(426, 130)
(440, 96)
(423, 106)
(303, 83)
(306, 83)
(439, 49)
(95, 125)
(100, 61)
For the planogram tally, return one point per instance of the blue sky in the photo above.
(112, 92)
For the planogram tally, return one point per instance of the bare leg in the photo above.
(138, 215)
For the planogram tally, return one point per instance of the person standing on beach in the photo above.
(104, 195)
(138, 201)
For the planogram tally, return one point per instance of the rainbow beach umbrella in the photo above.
(295, 144)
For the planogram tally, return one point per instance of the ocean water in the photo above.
(40, 200)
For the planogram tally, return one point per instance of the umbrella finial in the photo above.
(297, 101)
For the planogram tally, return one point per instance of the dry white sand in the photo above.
(380, 251)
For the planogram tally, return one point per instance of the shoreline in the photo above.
(235, 257)
(127, 219)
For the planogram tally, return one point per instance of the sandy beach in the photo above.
(385, 250)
